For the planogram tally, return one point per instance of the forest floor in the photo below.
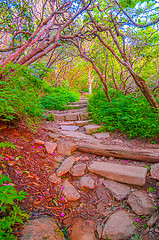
(29, 167)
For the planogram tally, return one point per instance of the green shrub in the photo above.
(58, 98)
(126, 114)
(19, 92)
(10, 212)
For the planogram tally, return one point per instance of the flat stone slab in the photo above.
(121, 173)
(83, 229)
(65, 147)
(89, 129)
(102, 135)
(71, 116)
(65, 166)
(50, 147)
(140, 203)
(118, 190)
(59, 117)
(72, 123)
(87, 181)
(78, 170)
(155, 171)
(119, 226)
(69, 128)
(41, 228)
(70, 192)
(82, 123)
(78, 135)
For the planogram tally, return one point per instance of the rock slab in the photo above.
(82, 230)
(119, 226)
(65, 166)
(40, 229)
(70, 192)
(50, 147)
(69, 128)
(87, 181)
(102, 135)
(54, 179)
(140, 203)
(92, 128)
(65, 148)
(78, 170)
(155, 171)
(121, 173)
(118, 190)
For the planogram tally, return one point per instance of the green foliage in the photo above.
(10, 212)
(24, 93)
(19, 92)
(58, 98)
(50, 117)
(126, 114)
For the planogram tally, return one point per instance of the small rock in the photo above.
(54, 179)
(82, 230)
(102, 135)
(54, 136)
(69, 128)
(118, 190)
(41, 228)
(119, 226)
(50, 147)
(87, 181)
(65, 166)
(102, 194)
(153, 219)
(140, 203)
(70, 192)
(38, 141)
(78, 170)
(42, 155)
(89, 129)
(65, 148)
(155, 171)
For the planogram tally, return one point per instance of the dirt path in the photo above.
(61, 183)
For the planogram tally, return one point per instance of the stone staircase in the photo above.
(108, 173)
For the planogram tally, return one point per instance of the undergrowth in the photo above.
(25, 93)
(126, 114)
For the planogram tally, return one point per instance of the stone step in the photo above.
(92, 128)
(120, 173)
(78, 103)
(77, 106)
(68, 111)
(72, 116)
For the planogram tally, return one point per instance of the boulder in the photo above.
(78, 170)
(87, 181)
(69, 192)
(41, 228)
(65, 148)
(155, 171)
(50, 147)
(119, 226)
(82, 230)
(118, 190)
(65, 166)
(140, 203)
(54, 179)
(121, 173)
